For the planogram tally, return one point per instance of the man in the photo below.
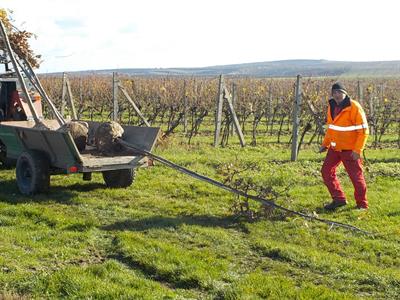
(345, 139)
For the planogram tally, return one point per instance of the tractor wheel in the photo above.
(5, 161)
(32, 173)
(119, 178)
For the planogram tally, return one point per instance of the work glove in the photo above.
(322, 149)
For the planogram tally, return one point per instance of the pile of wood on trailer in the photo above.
(79, 131)
(105, 137)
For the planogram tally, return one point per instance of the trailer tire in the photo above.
(119, 178)
(32, 172)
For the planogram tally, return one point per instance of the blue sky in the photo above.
(81, 35)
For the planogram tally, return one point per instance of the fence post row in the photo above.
(66, 90)
(296, 119)
(375, 103)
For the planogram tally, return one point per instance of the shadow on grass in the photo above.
(171, 278)
(77, 187)
(394, 214)
(167, 278)
(9, 193)
(160, 222)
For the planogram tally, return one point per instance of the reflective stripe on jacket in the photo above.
(348, 130)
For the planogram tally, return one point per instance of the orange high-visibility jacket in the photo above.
(348, 130)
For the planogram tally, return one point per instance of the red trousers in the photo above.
(355, 171)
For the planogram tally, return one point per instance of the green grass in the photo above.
(169, 236)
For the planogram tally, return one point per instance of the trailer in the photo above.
(40, 153)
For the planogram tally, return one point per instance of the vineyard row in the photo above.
(264, 106)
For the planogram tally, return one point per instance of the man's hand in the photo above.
(322, 149)
(355, 155)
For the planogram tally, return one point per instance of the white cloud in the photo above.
(80, 35)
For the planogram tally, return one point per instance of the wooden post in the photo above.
(80, 94)
(218, 112)
(115, 97)
(372, 113)
(360, 92)
(125, 93)
(296, 119)
(234, 118)
(71, 100)
(269, 107)
(185, 107)
(63, 94)
(234, 101)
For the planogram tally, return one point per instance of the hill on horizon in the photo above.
(281, 68)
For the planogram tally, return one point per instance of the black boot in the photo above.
(334, 205)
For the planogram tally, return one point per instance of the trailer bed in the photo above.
(62, 152)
